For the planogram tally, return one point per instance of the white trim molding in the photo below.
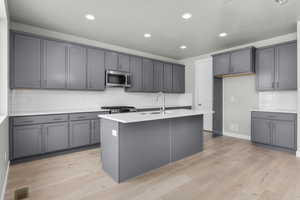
(236, 135)
(298, 154)
(5, 182)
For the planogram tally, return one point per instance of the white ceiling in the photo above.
(124, 22)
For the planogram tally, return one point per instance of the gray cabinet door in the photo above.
(286, 66)
(80, 133)
(241, 61)
(136, 74)
(148, 70)
(158, 76)
(77, 67)
(56, 136)
(111, 60)
(168, 78)
(95, 136)
(95, 69)
(178, 79)
(283, 134)
(123, 63)
(265, 68)
(27, 141)
(261, 131)
(55, 65)
(26, 62)
(221, 64)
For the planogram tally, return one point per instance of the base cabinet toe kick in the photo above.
(131, 149)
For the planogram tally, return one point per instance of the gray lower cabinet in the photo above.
(158, 76)
(95, 69)
(277, 67)
(148, 75)
(27, 140)
(168, 78)
(276, 129)
(80, 133)
(95, 131)
(136, 73)
(25, 61)
(55, 65)
(178, 79)
(56, 136)
(77, 67)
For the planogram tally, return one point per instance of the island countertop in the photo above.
(153, 115)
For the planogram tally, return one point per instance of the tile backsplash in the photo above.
(278, 100)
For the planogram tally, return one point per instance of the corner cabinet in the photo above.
(277, 67)
(235, 62)
(275, 129)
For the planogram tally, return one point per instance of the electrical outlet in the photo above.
(5, 156)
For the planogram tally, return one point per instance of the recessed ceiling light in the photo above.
(182, 47)
(147, 35)
(281, 2)
(90, 17)
(186, 15)
(223, 34)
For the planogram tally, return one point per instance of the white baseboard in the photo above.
(236, 135)
(5, 182)
(298, 154)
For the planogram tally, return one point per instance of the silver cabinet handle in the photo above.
(277, 84)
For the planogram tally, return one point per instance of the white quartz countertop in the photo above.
(275, 110)
(55, 112)
(153, 115)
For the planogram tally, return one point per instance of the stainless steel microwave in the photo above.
(117, 79)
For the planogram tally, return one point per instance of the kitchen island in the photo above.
(134, 143)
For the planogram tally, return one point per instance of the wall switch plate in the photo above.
(114, 133)
(5, 156)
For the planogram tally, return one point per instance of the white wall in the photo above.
(298, 100)
(236, 120)
(35, 101)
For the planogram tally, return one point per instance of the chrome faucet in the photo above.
(163, 104)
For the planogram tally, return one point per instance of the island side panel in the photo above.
(143, 146)
(110, 148)
(187, 136)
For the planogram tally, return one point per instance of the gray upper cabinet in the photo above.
(221, 64)
(25, 61)
(77, 67)
(117, 61)
(277, 67)
(111, 60)
(27, 141)
(235, 62)
(265, 62)
(123, 62)
(56, 136)
(286, 55)
(242, 61)
(55, 65)
(95, 69)
(158, 76)
(136, 73)
(80, 133)
(168, 78)
(148, 70)
(178, 79)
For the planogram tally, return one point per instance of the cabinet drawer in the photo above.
(27, 120)
(274, 115)
(56, 118)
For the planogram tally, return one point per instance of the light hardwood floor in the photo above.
(228, 168)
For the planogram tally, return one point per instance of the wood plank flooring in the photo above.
(227, 169)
